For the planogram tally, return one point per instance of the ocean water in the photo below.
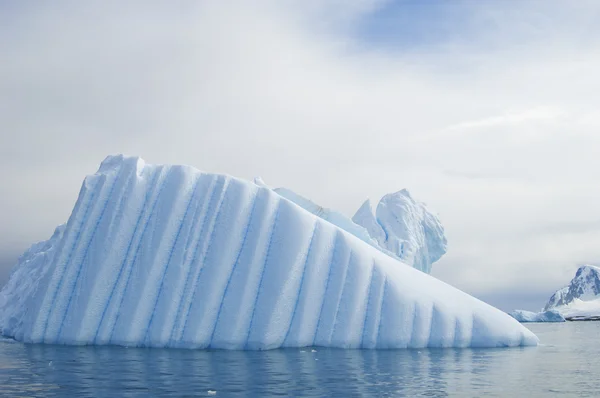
(566, 364)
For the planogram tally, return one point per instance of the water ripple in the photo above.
(567, 364)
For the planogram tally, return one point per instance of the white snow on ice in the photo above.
(167, 256)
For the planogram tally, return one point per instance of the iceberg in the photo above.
(168, 256)
(544, 316)
(406, 228)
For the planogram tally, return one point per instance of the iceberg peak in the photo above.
(259, 181)
(406, 228)
(364, 217)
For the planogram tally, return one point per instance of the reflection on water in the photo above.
(569, 362)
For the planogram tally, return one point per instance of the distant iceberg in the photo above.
(406, 228)
(544, 316)
(168, 256)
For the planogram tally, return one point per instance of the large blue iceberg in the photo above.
(167, 256)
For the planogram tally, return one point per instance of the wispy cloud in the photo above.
(510, 119)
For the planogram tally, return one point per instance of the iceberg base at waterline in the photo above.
(544, 316)
(168, 256)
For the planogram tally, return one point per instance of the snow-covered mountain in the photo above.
(168, 256)
(581, 297)
(406, 228)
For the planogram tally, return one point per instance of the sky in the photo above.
(488, 111)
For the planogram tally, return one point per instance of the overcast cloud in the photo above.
(487, 111)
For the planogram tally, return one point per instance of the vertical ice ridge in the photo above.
(189, 260)
(422, 324)
(235, 264)
(432, 318)
(369, 338)
(414, 330)
(131, 265)
(85, 253)
(63, 268)
(341, 294)
(232, 327)
(438, 332)
(206, 247)
(457, 334)
(100, 276)
(385, 288)
(152, 256)
(368, 299)
(431, 341)
(227, 240)
(263, 272)
(413, 326)
(336, 295)
(168, 304)
(170, 256)
(334, 249)
(308, 251)
(350, 314)
(122, 197)
(143, 210)
(53, 275)
(470, 332)
(313, 298)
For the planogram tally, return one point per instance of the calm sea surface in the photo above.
(566, 364)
